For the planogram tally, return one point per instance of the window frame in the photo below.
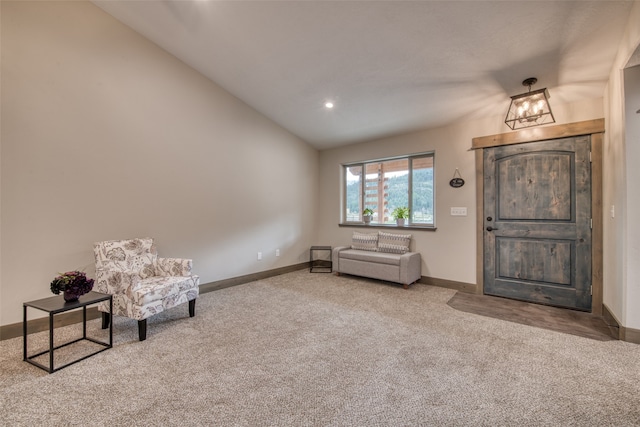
(363, 164)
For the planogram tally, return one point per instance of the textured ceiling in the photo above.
(390, 67)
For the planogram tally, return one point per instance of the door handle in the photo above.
(491, 228)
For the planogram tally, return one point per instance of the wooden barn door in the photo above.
(537, 222)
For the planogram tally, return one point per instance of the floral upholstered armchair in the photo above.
(142, 284)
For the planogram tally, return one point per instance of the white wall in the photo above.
(450, 251)
(632, 211)
(621, 295)
(106, 136)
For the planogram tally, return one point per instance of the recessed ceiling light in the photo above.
(328, 104)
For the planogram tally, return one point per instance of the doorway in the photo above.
(542, 189)
(537, 236)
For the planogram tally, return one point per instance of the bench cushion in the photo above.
(368, 256)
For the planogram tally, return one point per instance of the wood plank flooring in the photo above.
(541, 316)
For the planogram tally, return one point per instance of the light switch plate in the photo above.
(459, 211)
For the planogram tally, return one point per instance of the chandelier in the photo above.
(529, 109)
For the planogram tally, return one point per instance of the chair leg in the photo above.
(142, 329)
(192, 308)
(106, 319)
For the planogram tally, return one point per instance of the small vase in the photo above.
(70, 296)
(400, 222)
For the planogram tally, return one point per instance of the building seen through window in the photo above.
(384, 185)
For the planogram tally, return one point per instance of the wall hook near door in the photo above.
(456, 182)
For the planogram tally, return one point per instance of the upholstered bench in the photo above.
(382, 256)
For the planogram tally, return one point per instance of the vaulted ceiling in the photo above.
(389, 67)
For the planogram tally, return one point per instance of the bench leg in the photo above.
(412, 283)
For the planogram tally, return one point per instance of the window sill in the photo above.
(388, 226)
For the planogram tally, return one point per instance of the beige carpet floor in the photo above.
(307, 349)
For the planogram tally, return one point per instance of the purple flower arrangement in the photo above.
(73, 283)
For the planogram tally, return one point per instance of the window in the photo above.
(384, 185)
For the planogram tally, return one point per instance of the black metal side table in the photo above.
(56, 305)
(318, 265)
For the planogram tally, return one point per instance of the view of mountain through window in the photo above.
(389, 184)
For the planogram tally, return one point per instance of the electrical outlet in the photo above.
(458, 211)
(613, 211)
(259, 256)
(277, 252)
